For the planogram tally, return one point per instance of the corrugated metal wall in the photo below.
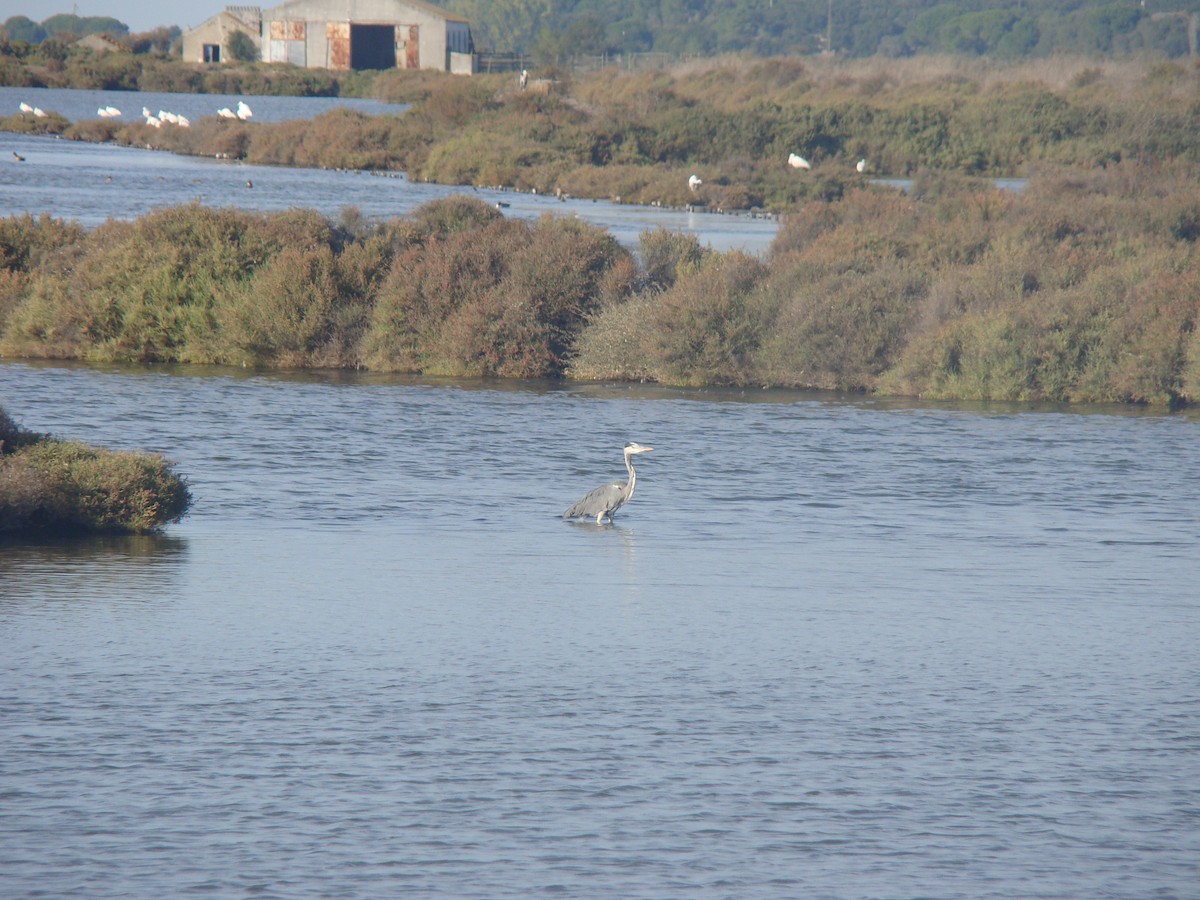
(287, 42)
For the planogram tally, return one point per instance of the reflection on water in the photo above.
(834, 646)
(107, 568)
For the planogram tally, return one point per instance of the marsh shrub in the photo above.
(619, 343)
(340, 138)
(143, 290)
(12, 436)
(500, 298)
(843, 330)
(555, 283)
(666, 254)
(429, 282)
(292, 314)
(25, 240)
(710, 324)
(1080, 288)
(451, 215)
(66, 486)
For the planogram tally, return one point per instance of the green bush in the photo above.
(1081, 288)
(710, 324)
(47, 485)
(242, 48)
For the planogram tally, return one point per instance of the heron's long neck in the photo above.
(632, 476)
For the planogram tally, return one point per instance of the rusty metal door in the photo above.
(338, 36)
(408, 47)
(288, 43)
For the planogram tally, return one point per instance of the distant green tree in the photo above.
(1106, 22)
(159, 40)
(22, 28)
(68, 24)
(925, 31)
(241, 48)
(858, 27)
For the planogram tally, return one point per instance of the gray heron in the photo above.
(605, 500)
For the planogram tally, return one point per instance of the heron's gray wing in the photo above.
(603, 499)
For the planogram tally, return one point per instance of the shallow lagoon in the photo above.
(91, 183)
(834, 647)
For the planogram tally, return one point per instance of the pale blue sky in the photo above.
(139, 15)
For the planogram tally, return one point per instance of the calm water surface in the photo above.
(833, 648)
(92, 183)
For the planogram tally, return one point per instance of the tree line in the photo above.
(554, 31)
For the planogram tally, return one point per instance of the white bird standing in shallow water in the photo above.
(694, 182)
(605, 500)
(798, 162)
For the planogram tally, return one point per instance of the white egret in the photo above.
(226, 113)
(39, 112)
(25, 107)
(112, 111)
(862, 165)
(243, 111)
(694, 182)
(798, 162)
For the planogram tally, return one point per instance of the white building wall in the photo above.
(434, 44)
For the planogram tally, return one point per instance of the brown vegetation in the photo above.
(732, 122)
(454, 289)
(1082, 288)
(48, 485)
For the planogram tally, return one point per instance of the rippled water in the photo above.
(833, 648)
(91, 183)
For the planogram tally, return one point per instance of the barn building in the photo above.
(209, 42)
(343, 34)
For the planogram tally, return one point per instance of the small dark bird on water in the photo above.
(18, 157)
(249, 183)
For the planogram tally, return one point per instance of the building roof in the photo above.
(427, 8)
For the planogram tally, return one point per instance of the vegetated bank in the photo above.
(1084, 287)
(50, 486)
(638, 137)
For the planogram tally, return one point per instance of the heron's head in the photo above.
(634, 447)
